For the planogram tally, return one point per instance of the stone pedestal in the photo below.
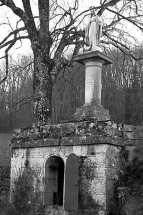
(92, 108)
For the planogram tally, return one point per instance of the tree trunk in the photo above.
(42, 90)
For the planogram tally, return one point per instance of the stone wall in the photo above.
(99, 147)
(94, 166)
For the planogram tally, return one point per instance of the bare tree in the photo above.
(16, 94)
(56, 28)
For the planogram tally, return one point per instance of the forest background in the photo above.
(122, 92)
(32, 78)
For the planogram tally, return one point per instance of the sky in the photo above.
(24, 48)
(6, 14)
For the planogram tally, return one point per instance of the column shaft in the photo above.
(93, 70)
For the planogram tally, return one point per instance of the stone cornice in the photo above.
(77, 133)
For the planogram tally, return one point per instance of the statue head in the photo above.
(93, 11)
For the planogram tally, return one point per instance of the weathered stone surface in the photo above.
(112, 173)
(92, 111)
(112, 157)
(78, 133)
(98, 146)
(92, 171)
(49, 210)
(88, 202)
(91, 212)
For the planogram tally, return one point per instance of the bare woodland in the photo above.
(49, 84)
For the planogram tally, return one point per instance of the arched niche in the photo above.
(54, 181)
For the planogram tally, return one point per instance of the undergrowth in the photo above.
(25, 195)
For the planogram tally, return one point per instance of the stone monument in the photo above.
(72, 167)
(93, 59)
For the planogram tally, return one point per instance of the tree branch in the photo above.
(6, 58)
(44, 15)
(25, 98)
(25, 16)
(129, 19)
(11, 33)
(16, 10)
(122, 47)
(44, 34)
(105, 5)
(13, 41)
(30, 19)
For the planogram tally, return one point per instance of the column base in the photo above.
(90, 111)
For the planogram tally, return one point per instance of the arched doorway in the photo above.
(54, 181)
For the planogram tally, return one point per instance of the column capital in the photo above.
(93, 56)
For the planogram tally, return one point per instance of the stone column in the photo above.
(93, 85)
(92, 109)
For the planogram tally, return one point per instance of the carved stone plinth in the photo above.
(92, 111)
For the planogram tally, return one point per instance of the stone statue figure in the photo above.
(93, 32)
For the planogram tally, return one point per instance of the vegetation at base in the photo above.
(132, 173)
(25, 196)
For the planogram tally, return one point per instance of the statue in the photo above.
(93, 32)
